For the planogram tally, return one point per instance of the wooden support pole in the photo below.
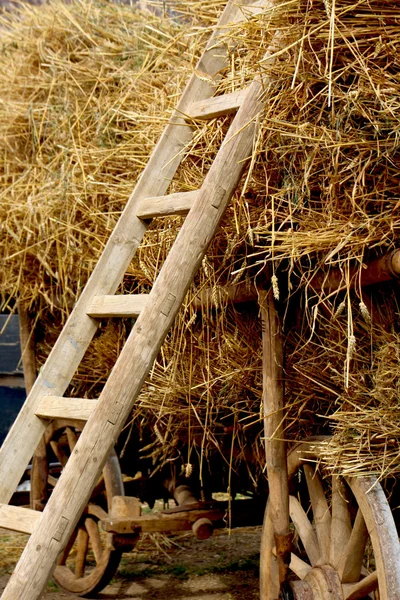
(275, 447)
(40, 467)
(27, 338)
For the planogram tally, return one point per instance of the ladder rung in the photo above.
(17, 518)
(162, 206)
(217, 106)
(57, 407)
(129, 305)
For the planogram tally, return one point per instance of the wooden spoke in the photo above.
(350, 563)
(52, 480)
(94, 535)
(298, 566)
(305, 530)
(59, 452)
(68, 547)
(99, 487)
(39, 475)
(72, 438)
(355, 591)
(97, 511)
(81, 552)
(341, 521)
(321, 512)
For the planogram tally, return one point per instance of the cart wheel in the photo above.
(345, 544)
(89, 560)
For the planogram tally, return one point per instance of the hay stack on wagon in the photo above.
(86, 90)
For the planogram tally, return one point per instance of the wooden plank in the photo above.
(217, 106)
(162, 206)
(117, 306)
(18, 518)
(77, 334)
(57, 407)
(123, 387)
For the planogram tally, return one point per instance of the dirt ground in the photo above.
(224, 567)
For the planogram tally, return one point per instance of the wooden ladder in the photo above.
(51, 529)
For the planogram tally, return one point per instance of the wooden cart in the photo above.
(333, 520)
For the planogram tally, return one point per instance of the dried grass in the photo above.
(86, 91)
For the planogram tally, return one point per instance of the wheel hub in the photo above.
(321, 583)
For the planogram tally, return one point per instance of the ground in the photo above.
(224, 567)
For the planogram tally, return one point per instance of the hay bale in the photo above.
(86, 91)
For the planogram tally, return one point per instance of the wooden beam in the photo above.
(222, 295)
(57, 407)
(217, 106)
(162, 206)
(382, 269)
(17, 518)
(117, 306)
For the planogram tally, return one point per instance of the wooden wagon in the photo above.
(333, 519)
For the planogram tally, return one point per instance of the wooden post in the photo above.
(27, 347)
(40, 468)
(275, 447)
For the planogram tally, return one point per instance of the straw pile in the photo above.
(86, 89)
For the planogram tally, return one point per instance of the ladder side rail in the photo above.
(125, 382)
(79, 330)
